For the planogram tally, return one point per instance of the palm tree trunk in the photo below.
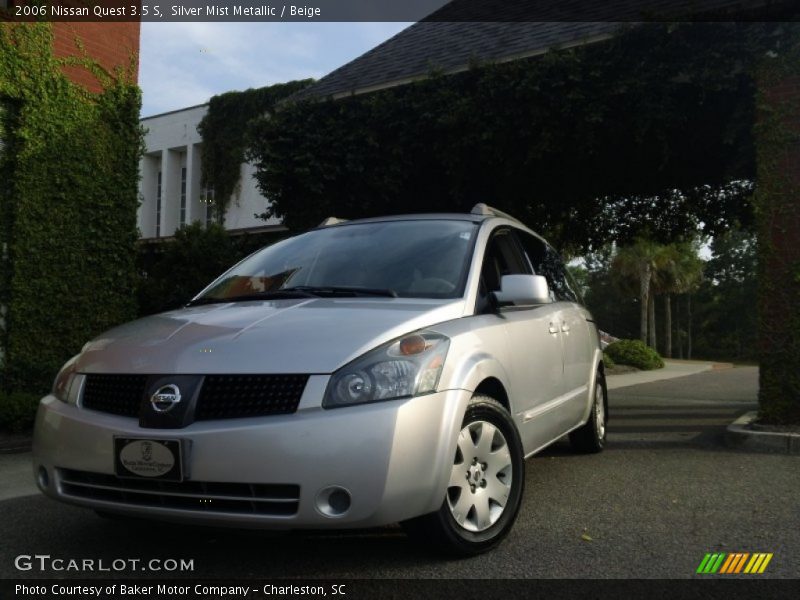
(678, 326)
(644, 300)
(667, 326)
(688, 326)
(651, 319)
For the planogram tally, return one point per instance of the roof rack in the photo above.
(332, 221)
(488, 211)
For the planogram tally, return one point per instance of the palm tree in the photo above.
(669, 284)
(638, 262)
(680, 271)
(689, 275)
(664, 261)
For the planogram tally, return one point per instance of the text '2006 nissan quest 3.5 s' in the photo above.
(384, 370)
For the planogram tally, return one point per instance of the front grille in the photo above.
(235, 396)
(279, 500)
(221, 396)
(115, 394)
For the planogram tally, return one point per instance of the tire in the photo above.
(591, 437)
(480, 504)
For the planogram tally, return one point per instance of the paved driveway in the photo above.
(664, 493)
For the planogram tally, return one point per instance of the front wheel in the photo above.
(485, 488)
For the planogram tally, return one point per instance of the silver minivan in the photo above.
(368, 372)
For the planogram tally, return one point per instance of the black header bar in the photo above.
(400, 10)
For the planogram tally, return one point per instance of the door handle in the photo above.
(565, 326)
(553, 327)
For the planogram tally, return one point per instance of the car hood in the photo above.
(316, 335)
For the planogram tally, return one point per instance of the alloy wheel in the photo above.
(599, 412)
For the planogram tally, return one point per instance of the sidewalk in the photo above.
(672, 369)
(17, 476)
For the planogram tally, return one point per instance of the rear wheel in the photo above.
(591, 437)
(485, 488)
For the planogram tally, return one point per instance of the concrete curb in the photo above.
(740, 435)
(16, 445)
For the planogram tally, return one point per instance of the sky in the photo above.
(184, 64)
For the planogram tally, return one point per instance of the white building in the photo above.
(169, 184)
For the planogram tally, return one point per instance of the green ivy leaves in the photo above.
(69, 211)
(224, 130)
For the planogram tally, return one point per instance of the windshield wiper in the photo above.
(266, 295)
(300, 291)
(336, 290)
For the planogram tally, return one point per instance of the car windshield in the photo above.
(412, 259)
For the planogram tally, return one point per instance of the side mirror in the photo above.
(522, 290)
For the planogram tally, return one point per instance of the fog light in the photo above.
(44, 478)
(333, 501)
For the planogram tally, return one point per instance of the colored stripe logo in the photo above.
(734, 563)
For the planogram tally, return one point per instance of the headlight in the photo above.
(67, 385)
(408, 366)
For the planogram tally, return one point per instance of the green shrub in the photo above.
(608, 361)
(634, 353)
(173, 271)
(18, 412)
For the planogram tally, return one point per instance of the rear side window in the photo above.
(546, 261)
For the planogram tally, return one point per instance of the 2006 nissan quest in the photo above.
(384, 370)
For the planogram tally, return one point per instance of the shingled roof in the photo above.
(450, 47)
(438, 44)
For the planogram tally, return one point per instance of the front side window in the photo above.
(414, 258)
(546, 261)
(502, 257)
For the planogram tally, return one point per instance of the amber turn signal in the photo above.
(413, 344)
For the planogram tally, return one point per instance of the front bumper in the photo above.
(393, 458)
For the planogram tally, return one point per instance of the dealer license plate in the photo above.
(148, 459)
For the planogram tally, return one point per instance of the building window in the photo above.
(208, 198)
(183, 196)
(158, 206)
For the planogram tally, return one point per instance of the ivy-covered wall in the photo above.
(6, 165)
(777, 204)
(554, 140)
(68, 207)
(225, 130)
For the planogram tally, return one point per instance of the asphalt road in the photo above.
(665, 492)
